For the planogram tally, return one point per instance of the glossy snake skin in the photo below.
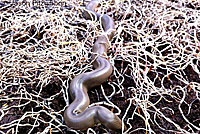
(78, 116)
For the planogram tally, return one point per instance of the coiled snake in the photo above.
(78, 116)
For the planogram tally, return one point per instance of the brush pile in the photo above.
(155, 53)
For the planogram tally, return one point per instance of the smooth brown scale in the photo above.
(78, 115)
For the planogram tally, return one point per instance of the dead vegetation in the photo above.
(155, 85)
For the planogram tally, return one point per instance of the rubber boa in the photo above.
(78, 116)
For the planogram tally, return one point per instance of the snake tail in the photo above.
(78, 115)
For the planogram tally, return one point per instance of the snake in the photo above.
(78, 115)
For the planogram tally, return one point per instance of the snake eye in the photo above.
(76, 111)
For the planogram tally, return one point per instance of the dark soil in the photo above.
(165, 104)
(190, 106)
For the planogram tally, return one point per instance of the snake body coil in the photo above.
(78, 115)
